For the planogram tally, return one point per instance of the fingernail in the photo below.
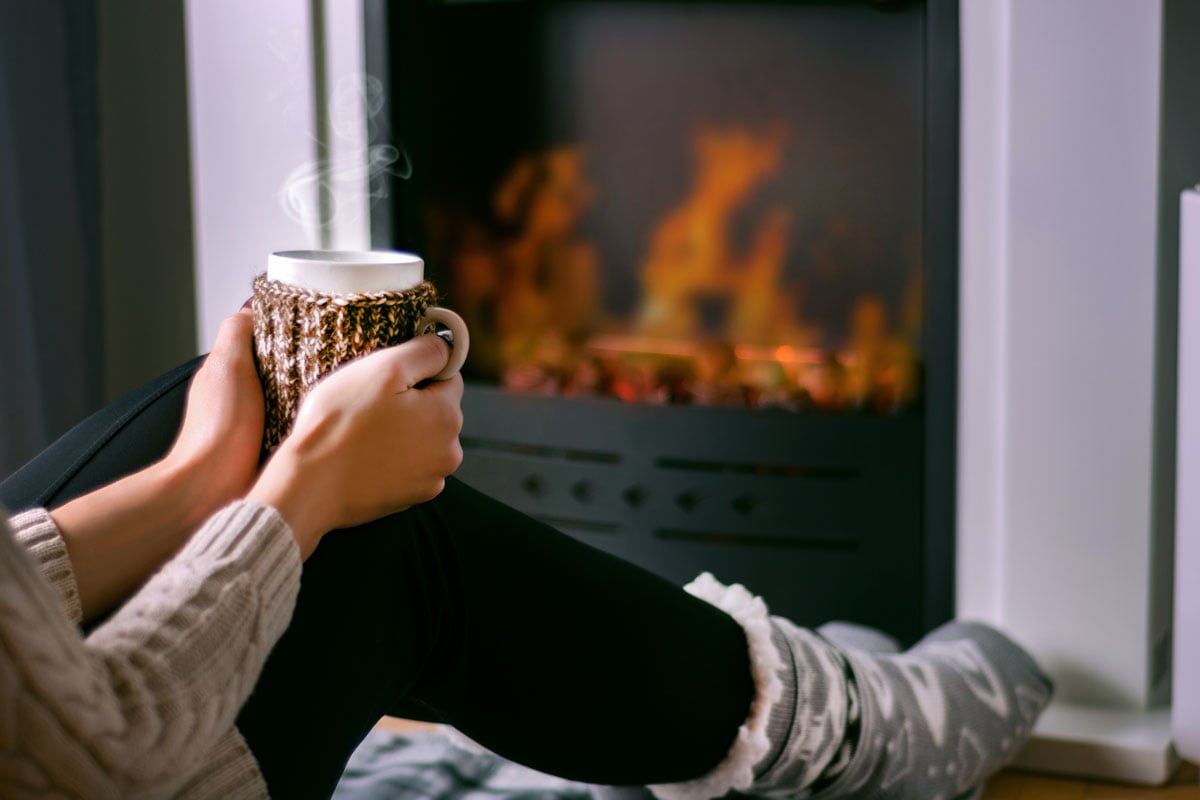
(246, 304)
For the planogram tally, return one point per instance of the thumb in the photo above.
(416, 360)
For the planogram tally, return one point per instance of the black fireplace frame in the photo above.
(517, 449)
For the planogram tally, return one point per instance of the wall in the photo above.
(255, 132)
(250, 79)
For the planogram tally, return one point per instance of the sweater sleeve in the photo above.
(36, 532)
(139, 706)
(229, 773)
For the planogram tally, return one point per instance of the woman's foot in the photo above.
(936, 721)
(852, 636)
(840, 714)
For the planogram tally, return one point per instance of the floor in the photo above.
(1012, 785)
(1024, 786)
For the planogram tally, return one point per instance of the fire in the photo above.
(691, 260)
(715, 323)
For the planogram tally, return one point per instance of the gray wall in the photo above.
(149, 294)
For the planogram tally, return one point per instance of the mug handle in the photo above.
(435, 315)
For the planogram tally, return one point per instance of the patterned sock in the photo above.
(810, 727)
(852, 636)
(848, 717)
(849, 636)
(935, 721)
(844, 635)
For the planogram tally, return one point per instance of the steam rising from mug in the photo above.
(319, 193)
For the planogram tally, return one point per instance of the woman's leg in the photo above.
(561, 657)
(545, 650)
(570, 660)
(115, 441)
(461, 610)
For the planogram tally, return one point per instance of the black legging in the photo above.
(462, 610)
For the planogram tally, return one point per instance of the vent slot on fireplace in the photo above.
(755, 540)
(526, 449)
(756, 468)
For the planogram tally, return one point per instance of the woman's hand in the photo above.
(220, 441)
(119, 534)
(367, 442)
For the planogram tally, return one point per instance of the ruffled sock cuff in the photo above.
(752, 745)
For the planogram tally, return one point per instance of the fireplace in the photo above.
(708, 255)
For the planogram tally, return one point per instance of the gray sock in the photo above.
(935, 721)
(852, 636)
(845, 635)
(807, 726)
(842, 715)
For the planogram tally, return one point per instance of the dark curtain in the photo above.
(51, 336)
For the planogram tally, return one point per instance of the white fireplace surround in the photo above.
(1060, 126)
(1058, 537)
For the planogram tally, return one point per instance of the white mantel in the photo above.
(1056, 543)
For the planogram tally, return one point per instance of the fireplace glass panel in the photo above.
(701, 203)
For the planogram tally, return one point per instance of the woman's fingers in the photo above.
(236, 335)
(449, 397)
(414, 361)
(221, 436)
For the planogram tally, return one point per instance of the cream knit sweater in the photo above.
(144, 706)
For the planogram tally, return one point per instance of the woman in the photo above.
(227, 670)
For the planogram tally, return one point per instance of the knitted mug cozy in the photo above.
(300, 336)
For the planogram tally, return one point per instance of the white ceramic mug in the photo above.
(367, 272)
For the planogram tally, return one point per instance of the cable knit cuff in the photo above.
(230, 773)
(255, 535)
(36, 532)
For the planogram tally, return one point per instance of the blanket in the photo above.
(427, 766)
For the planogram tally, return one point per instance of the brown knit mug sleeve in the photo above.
(300, 336)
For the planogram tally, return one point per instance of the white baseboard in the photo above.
(1085, 742)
